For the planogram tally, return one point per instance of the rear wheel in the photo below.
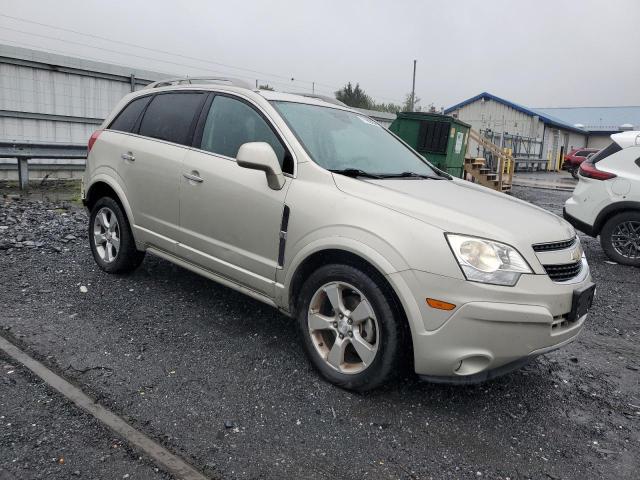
(110, 237)
(573, 170)
(620, 238)
(350, 327)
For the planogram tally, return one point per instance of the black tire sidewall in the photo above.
(574, 172)
(385, 364)
(607, 232)
(128, 257)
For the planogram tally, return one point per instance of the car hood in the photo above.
(462, 207)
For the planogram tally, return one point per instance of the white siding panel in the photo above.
(27, 130)
(29, 89)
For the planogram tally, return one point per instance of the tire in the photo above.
(574, 172)
(385, 328)
(621, 227)
(112, 226)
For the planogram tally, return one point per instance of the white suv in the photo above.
(606, 201)
(317, 210)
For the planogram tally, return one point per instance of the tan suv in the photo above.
(317, 210)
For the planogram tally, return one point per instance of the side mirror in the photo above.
(260, 156)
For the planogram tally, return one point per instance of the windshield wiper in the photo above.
(409, 175)
(355, 172)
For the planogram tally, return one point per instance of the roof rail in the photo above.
(325, 98)
(199, 80)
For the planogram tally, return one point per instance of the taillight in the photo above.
(589, 170)
(92, 140)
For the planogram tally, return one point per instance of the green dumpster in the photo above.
(441, 139)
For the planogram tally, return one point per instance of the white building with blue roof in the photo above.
(542, 133)
(600, 122)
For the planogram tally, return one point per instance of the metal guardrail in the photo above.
(530, 164)
(24, 151)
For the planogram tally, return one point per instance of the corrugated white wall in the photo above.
(45, 91)
(33, 90)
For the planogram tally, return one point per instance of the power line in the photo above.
(118, 52)
(147, 48)
(332, 87)
(83, 57)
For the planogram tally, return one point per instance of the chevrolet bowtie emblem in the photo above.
(576, 254)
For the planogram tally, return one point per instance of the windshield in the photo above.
(340, 140)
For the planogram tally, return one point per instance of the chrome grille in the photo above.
(551, 246)
(566, 271)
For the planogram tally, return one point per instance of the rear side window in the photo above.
(605, 152)
(230, 123)
(583, 153)
(127, 118)
(170, 116)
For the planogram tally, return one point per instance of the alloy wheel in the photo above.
(343, 327)
(106, 234)
(626, 239)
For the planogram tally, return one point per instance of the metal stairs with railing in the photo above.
(476, 170)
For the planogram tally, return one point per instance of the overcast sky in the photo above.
(540, 53)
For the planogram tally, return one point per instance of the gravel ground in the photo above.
(41, 436)
(221, 379)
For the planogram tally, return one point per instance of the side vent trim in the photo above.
(284, 226)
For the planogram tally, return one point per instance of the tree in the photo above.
(265, 87)
(406, 107)
(354, 96)
(387, 107)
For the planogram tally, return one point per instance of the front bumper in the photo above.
(493, 329)
(485, 375)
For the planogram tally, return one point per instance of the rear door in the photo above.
(152, 161)
(230, 219)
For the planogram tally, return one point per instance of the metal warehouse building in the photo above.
(54, 99)
(542, 133)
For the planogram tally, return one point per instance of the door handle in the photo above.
(128, 156)
(193, 177)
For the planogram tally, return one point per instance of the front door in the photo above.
(229, 217)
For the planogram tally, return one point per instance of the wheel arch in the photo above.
(611, 210)
(326, 256)
(103, 186)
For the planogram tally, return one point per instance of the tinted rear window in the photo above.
(583, 153)
(126, 120)
(605, 152)
(170, 116)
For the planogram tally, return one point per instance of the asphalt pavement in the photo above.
(221, 380)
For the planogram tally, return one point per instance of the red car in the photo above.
(575, 157)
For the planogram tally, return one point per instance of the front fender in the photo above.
(389, 268)
(363, 244)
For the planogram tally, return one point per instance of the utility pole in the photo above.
(256, 83)
(413, 87)
(313, 87)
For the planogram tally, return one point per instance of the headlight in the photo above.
(487, 261)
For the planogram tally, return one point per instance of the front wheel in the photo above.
(350, 327)
(620, 238)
